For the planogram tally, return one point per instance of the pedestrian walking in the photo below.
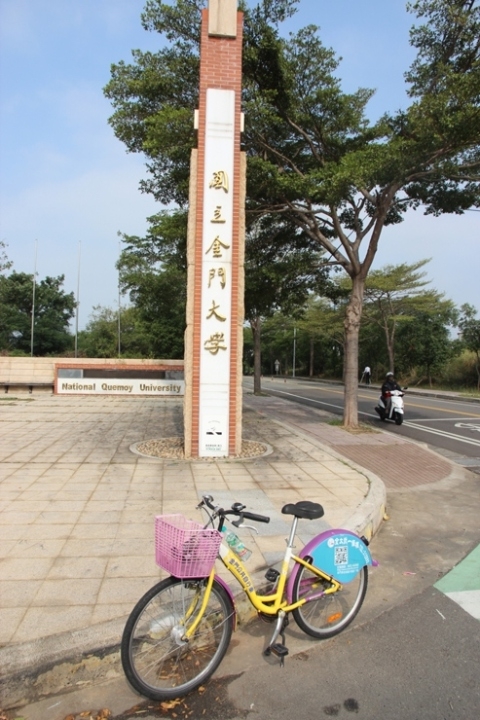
(367, 374)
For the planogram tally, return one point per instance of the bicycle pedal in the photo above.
(271, 575)
(279, 650)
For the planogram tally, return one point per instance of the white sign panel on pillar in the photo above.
(217, 273)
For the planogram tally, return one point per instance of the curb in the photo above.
(368, 517)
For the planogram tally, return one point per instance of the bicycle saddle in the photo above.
(304, 509)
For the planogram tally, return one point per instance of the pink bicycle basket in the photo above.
(184, 548)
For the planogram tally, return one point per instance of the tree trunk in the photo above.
(391, 356)
(350, 360)
(256, 325)
(312, 344)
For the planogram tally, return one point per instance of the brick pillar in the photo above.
(216, 233)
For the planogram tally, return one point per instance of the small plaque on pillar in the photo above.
(222, 18)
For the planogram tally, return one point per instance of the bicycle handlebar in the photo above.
(254, 516)
(236, 509)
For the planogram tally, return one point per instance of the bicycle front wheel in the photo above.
(325, 615)
(158, 662)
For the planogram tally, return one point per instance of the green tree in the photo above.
(394, 294)
(312, 155)
(344, 181)
(53, 311)
(425, 343)
(322, 323)
(281, 267)
(101, 335)
(5, 263)
(153, 272)
(469, 325)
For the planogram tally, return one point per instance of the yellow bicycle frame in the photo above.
(267, 604)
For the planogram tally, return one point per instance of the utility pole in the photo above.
(77, 304)
(119, 309)
(32, 329)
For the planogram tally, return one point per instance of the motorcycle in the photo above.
(396, 406)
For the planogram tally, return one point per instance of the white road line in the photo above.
(443, 433)
(452, 419)
(302, 397)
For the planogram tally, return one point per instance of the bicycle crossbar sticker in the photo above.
(237, 568)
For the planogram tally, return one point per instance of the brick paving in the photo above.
(399, 462)
(400, 465)
(77, 505)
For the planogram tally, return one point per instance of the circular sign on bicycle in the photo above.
(341, 554)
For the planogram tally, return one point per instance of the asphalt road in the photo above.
(451, 426)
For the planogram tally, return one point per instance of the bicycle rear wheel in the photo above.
(327, 615)
(158, 663)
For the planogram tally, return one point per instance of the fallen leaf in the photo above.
(170, 704)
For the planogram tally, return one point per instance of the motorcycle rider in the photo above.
(387, 387)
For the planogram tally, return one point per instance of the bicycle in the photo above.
(178, 633)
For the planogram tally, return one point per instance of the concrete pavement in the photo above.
(77, 507)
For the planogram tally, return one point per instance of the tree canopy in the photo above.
(54, 308)
(314, 159)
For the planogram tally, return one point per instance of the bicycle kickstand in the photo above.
(278, 649)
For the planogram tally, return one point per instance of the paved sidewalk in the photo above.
(77, 505)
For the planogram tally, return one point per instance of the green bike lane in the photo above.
(462, 584)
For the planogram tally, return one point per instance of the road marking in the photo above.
(442, 433)
(369, 397)
(437, 409)
(462, 584)
(302, 397)
(408, 423)
(468, 426)
(443, 420)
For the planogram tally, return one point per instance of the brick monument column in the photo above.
(216, 242)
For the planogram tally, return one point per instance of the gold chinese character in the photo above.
(215, 343)
(221, 274)
(219, 181)
(217, 215)
(217, 246)
(213, 312)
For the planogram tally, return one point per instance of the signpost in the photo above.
(215, 251)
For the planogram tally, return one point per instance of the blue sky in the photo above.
(65, 179)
